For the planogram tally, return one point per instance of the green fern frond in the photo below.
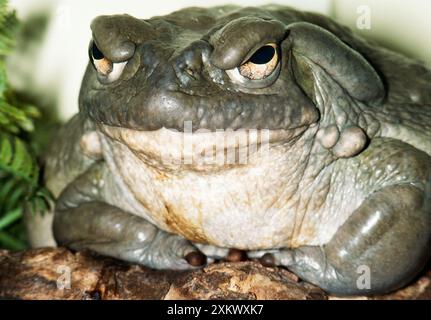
(8, 24)
(20, 188)
(10, 242)
(17, 160)
(10, 218)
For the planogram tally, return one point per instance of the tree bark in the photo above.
(45, 274)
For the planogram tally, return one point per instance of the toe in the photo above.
(196, 258)
(268, 260)
(236, 255)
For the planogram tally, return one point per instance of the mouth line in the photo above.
(201, 138)
(167, 148)
(202, 131)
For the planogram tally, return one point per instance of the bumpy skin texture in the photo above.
(346, 184)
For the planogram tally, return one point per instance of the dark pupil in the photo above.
(96, 53)
(263, 55)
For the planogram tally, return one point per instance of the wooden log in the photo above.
(57, 273)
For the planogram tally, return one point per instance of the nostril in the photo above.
(190, 72)
(188, 67)
(190, 62)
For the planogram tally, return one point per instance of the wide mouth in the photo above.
(201, 148)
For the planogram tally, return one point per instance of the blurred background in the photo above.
(51, 59)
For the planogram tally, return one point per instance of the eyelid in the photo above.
(232, 46)
(113, 72)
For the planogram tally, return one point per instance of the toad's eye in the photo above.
(260, 70)
(107, 70)
(261, 64)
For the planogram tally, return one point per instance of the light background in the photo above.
(56, 66)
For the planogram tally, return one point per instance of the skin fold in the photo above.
(343, 181)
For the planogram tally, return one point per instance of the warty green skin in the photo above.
(352, 180)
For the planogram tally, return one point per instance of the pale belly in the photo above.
(253, 206)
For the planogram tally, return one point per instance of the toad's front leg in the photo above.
(84, 220)
(387, 238)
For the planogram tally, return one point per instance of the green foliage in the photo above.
(19, 171)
